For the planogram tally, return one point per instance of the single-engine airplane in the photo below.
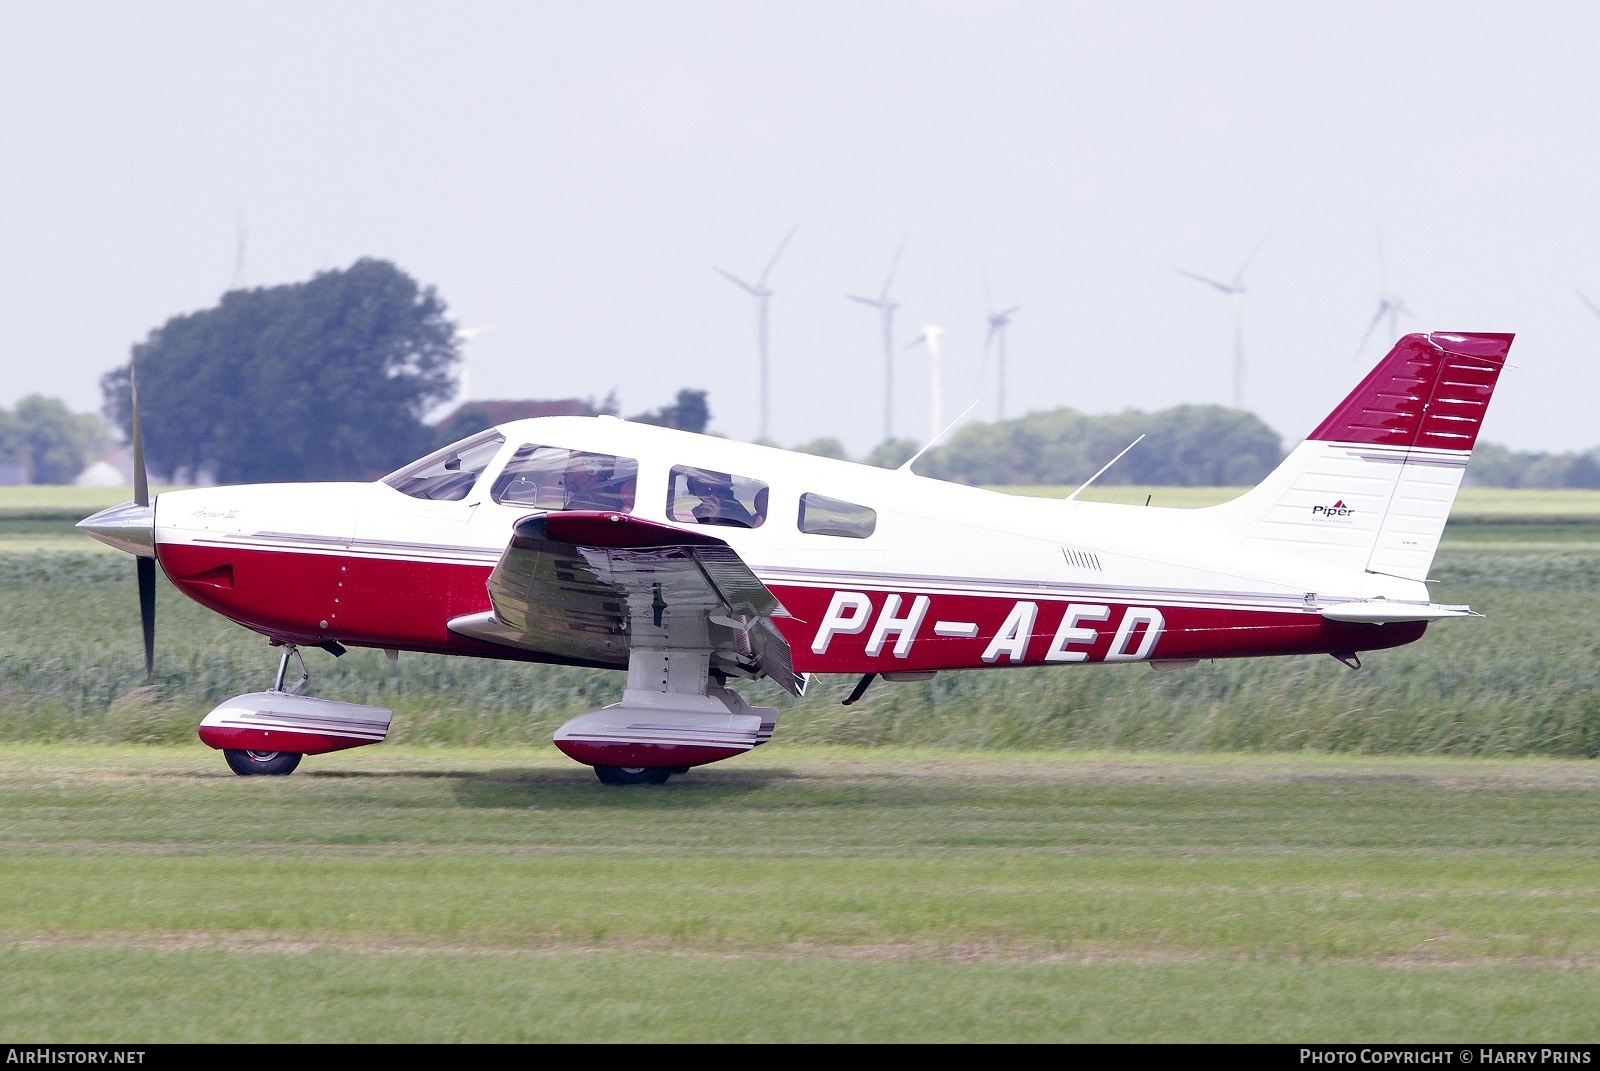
(692, 561)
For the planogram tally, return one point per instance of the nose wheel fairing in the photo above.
(281, 722)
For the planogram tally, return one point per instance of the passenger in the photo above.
(718, 503)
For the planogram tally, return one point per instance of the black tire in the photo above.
(633, 775)
(271, 763)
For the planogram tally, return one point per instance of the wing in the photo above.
(590, 586)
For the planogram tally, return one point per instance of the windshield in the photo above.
(448, 475)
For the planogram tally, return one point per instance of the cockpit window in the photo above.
(448, 475)
(701, 496)
(820, 515)
(554, 478)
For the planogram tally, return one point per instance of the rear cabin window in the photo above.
(703, 496)
(821, 515)
(448, 475)
(555, 478)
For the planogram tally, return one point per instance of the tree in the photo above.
(689, 412)
(1188, 445)
(891, 453)
(55, 443)
(469, 419)
(827, 446)
(321, 380)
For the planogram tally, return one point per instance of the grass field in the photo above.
(416, 894)
(1298, 852)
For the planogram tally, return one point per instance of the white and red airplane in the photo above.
(691, 561)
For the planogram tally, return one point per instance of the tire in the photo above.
(633, 775)
(272, 763)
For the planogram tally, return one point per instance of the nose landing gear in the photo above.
(268, 733)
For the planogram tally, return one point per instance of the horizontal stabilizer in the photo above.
(1383, 612)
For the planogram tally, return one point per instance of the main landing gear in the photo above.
(636, 775)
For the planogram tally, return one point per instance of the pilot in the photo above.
(718, 503)
(589, 483)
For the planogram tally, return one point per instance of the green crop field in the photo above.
(1264, 850)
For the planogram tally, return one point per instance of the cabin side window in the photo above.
(703, 496)
(448, 475)
(821, 515)
(555, 478)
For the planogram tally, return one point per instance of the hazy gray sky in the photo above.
(567, 175)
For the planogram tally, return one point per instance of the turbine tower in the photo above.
(1388, 305)
(931, 333)
(886, 309)
(998, 322)
(760, 291)
(1235, 291)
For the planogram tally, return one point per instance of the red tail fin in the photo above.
(1431, 391)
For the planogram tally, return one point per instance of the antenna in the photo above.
(1103, 468)
(1235, 291)
(943, 432)
(886, 309)
(762, 293)
(930, 336)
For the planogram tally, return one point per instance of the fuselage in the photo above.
(945, 576)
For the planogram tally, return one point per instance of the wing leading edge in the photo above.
(594, 586)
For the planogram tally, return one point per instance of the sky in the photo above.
(567, 176)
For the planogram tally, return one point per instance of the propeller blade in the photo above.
(141, 481)
(146, 566)
(147, 612)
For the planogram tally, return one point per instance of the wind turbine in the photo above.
(886, 309)
(931, 333)
(1235, 291)
(1388, 305)
(762, 294)
(998, 322)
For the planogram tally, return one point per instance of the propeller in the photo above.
(146, 566)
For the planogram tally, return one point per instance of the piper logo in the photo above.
(1336, 512)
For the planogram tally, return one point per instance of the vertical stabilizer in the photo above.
(1371, 488)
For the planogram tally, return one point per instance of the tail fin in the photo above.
(1372, 486)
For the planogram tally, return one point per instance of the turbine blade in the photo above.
(1383, 308)
(762, 282)
(874, 302)
(1224, 287)
(893, 264)
(1238, 279)
(736, 281)
(1585, 299)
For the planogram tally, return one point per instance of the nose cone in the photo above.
(128, 527)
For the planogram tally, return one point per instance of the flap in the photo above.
(591, 586)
